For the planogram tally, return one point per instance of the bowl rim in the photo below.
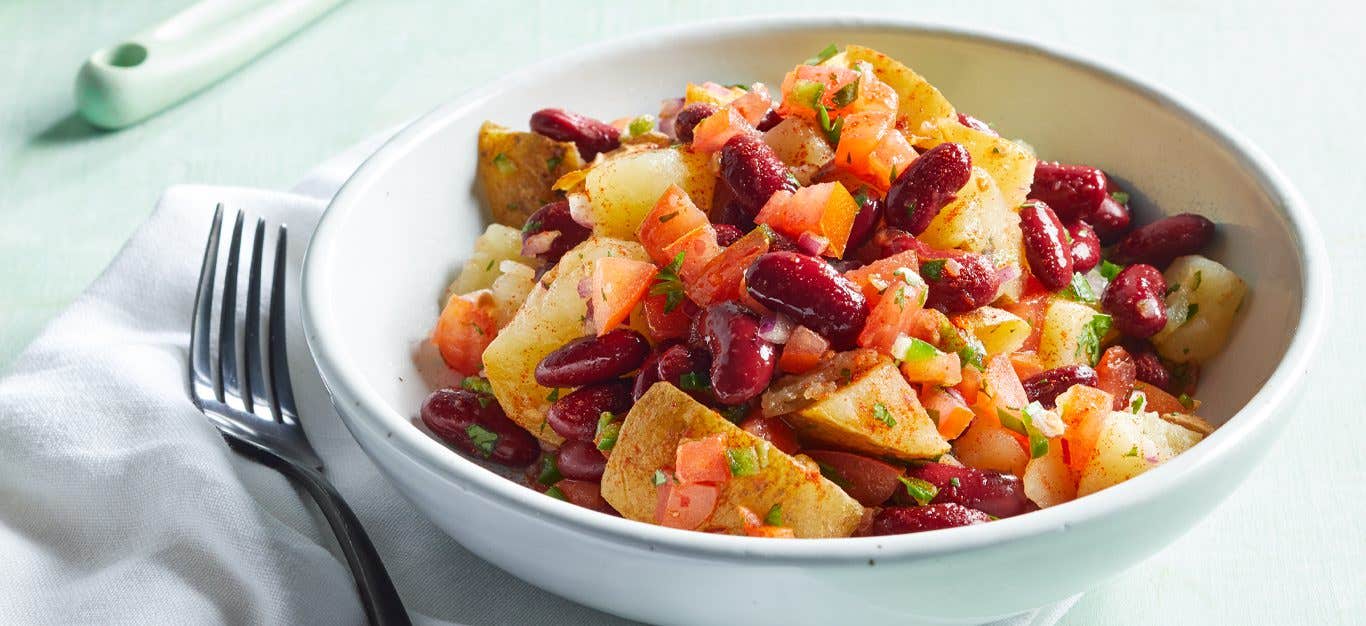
(366, 409)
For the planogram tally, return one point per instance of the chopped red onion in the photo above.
(775, 328)
(580, 209)
(539, 243)
(812, 244)
(668, 110)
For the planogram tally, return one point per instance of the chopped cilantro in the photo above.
(743, 461)
(932, 269)
(693, 381)
(477, 328)
(920, 490)
(667, 216)
(1136, 406)
(531, 227)
(882, 414)
(482, 438)
(489, 267)
(669, 284)
(553, 395)
(1110, 270)
(774, 517)
(1191, 310)
(477, 384)
(861, 198)
(1195, 282)
(832, 129)
(503, 163)
(735, 413)
(823, 56)
(553, 163)
(846, 375)
(659, 478)
(556, 493)
(1080, 290)
(955, 482)
(1024, 425)
(845, 95)
(1187, 401)
(833, 475)
(1121, 197)
(1133, 451)
(641, 125)
(1088, 344)
(608, 430)
(550, 471)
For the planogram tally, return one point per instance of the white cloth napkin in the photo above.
(120, 503)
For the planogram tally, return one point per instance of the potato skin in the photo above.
(812, 505)
(516, 170)
(848, 417)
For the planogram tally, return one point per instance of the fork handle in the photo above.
(381, 601)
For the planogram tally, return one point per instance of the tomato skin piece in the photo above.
(702, 461)
(773, 430)
(803, 351)
(952, 411)
(462, 332)
(865, 479)
(616, 286)
(824, 209)
(665, 325)
(722, 279)
(685, 505)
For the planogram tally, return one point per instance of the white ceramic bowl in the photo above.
(388, 244)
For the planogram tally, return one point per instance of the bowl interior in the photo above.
(380, 266)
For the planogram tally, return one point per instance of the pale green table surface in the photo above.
(1287, 548)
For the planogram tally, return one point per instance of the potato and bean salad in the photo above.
(845, 308)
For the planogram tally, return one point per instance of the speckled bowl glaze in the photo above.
(386, 247)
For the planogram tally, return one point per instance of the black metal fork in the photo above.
(255, 412)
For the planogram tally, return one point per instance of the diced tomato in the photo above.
(872, 95)
(896, 312)
(773, 430)
(462, 333)
(616, 285)
(824, 209)
(1031, 308)
(929, 326)
(1084, 409)
(871, 148)
(702, 460)
(685, 505)
(754, 105)
(674, 218)
(755, 526)
(664, 325)
(713, 132)
(711, 93)
(801, 82)
(698, 247)
(944, 369)
(875, 277)
(803, 351)
(720, 280)
(970, 385)
(585, 494)
(1003, 385)
(1159, 401)
(867, 480)
(1026, 363)
(949, 408)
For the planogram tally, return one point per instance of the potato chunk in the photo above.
(1068, 336)
(624, 187)
(919, 104)
(812, 506)
(1010, 164)
(498, 243)
(1201, 309)
(1001, 332)
(551, 316)
(1131, 444)
(979, 220)
(873, 411)
(516, 169)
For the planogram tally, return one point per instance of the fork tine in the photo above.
(255, 393)
(227, 323)
(282, 390)
(202, 382)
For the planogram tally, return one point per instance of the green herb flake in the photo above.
(861, 197)
(1195, 282)
(1191, 311)
(659, 478)
(743, 461)
(667, 216)
(1136, 406)
(833, 475)
(774, 517)
(955, 482)
(932, 269)
(550, 471)
(531, 227)
(556, 493)
(973, 353)
(641, 125)
(882, 414)
(823, 56)
(1121, 197)
(553, 395)
(489, 267)
(1187, 401)
(1080, 290)
(482, 438)
(1110, 270)
(832, 129)
(503, 163)
(693, 381)
(1133, 451)
(669, 284)
(845, 95)
(1024, 425)
(920, 490)
(478, 385)
(846, 375)
(735, 413)
(608, 430)
(553, 163)
(919, 350)
(1088, 344)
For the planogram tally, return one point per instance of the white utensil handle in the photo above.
(133, 80)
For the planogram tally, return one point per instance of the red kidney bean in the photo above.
(742, 362)
(575, 415)
(773, 430)
(465, 419)
(593, 359)
(732, 213)
(753, 172)
(689, 117)
(587, 494)
(900, 520)
(884, 243)
(870, 212)
(931, 181)
(727, 234)
(994, 493)
(1074, 191)
(968, 281)
(1111, 220)
(555, 216)
(669, 365)
(976, 124)
(1115, 374)
(579, 459)
(589, 135)
(1085, 246)
(811, 292)
(1148, 367)
(1046, 249)
(769, 120)
(1136, 301)
(1159, 242)
(1045, 387)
